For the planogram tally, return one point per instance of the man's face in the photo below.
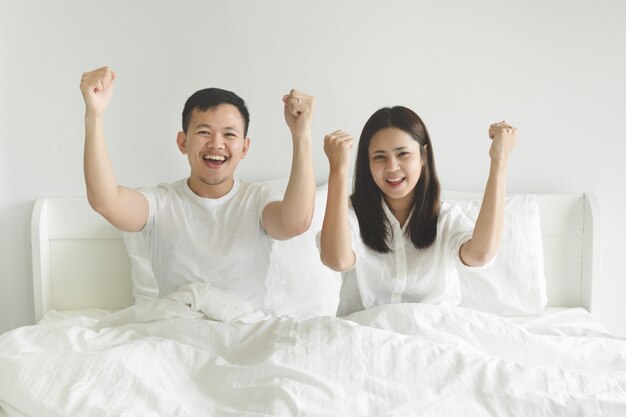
(214, 144)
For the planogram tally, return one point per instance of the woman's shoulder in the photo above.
(446, 209)
(449, 211)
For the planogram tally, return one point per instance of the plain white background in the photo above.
(554, 69)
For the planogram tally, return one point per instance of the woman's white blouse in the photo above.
(406, 274)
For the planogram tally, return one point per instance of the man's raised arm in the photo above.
(292, 216)
(123, 207)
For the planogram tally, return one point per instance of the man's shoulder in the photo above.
(166, 185)
(249, 189)
(163, 190)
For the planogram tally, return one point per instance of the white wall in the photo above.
(555, 69)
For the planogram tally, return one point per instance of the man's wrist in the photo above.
(302, 143)
(303, 136)
(91, 115)
(94, 122)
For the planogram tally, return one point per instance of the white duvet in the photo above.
(202, 352)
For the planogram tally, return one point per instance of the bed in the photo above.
(520, 344)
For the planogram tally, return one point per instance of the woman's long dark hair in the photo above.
(367, 197)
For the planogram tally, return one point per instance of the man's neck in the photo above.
(206, 190)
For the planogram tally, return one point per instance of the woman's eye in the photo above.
(401, 154)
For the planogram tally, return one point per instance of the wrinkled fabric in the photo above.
(402, 360)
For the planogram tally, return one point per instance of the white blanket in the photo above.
(201, 352)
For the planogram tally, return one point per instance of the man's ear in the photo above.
(181, 141)
(246, 146)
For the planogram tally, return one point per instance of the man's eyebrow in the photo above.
(207, 126)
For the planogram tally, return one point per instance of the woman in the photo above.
(394, 240)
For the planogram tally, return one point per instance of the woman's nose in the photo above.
(391, 165)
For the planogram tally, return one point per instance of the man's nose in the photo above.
(216, 141)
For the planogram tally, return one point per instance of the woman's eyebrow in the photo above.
(400, 148)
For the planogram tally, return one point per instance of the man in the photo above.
(209, 227)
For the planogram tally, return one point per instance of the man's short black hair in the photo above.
(210, 98)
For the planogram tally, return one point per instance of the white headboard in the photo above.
(570, 229)
(79, 260)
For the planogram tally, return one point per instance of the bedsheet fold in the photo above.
(193, 300)
(199, 353)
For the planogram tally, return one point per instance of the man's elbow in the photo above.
(294, 229)
(106, 209)
(304, 225)
(98, 205)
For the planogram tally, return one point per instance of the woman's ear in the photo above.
(181, 141)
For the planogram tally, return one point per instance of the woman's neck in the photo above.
(400, 210)
(402, 217)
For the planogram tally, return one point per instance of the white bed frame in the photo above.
(79, 260)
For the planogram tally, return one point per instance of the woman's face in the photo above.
(396, 164)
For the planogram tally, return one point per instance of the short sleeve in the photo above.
(146, 231)
(266, 196)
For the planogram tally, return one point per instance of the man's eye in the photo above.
(231, 135)
(203, 132)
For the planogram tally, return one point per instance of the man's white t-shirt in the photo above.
(406, 274)
(219, 241)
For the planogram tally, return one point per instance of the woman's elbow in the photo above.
(336, 263)
(483, 259)
(477, 257)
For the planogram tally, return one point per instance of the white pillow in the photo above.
(514, 283)
(298, 284)
(145, 287)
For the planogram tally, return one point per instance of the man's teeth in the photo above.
(215, 157)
